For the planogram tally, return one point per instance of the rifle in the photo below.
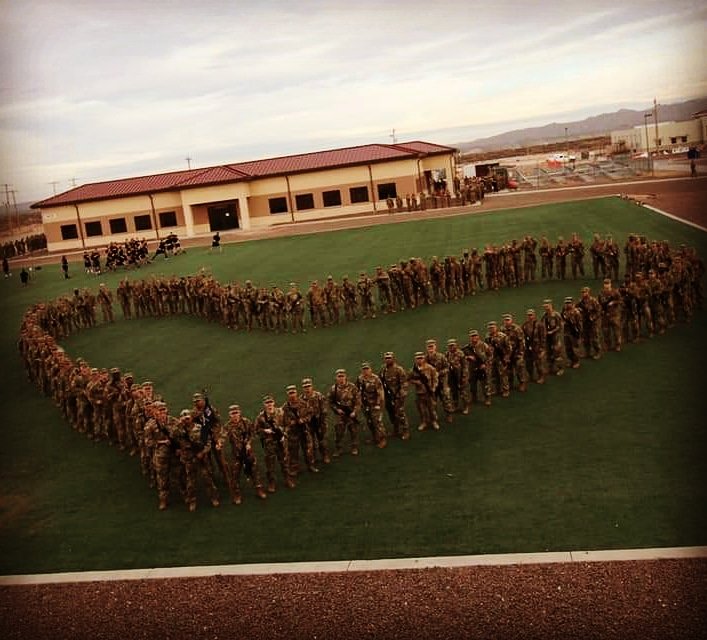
(387, 394)
(246, 461)
(418, 375)
(276, 430)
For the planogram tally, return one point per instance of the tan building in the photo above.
(244, 195)
(668, 137)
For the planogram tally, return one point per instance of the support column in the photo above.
(188, 219)
(243, 213)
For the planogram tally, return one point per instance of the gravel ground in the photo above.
(623, 600)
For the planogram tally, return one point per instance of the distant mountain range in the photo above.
(599, 125)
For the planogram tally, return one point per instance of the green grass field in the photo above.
(609, 456)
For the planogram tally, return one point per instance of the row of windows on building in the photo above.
(118, 225)
(304, 201)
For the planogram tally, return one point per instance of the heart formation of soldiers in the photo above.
(662, 285)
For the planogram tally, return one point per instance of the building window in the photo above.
(93, 229)
(304, 201)
(332, 198)
(673, 140)
(168, 219)
(278, 205)
(358, 194)
(684, 138)
(117, 225)
(143, 223)
(69, 232)
(387, 190)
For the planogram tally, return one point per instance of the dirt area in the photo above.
(615, 600)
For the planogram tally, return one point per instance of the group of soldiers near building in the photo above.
(178, 450)
(132, 253)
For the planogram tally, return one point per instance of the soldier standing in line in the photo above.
(440, 363)
(529, 259)
(561, 251)
(476, 272)
(348, 290)
(318, 423)
(656, 296)
(239, 431)
(394, 380)
(365, 295)
(534, 336)
(332, 298)
(438, 277)
(479, 356)
(547, 253)
(194, 455)
(204, 415)
(269, 427)
(611, 258)
(498, 341)
(425, 379)
(517, 366)
(610, 302)
(641, 294)
(577, 256)
(552, 322)
(372, 400)
(115, 402)
(159, 431)
(345, 401)
(294, 307)
(315, 298)
(572, 331)
(458, 377)
(295, 420)
(396, 287)
(105, 299)
(597, 252)
(385, 299)
(590, 309)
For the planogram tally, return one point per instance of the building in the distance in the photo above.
(667, 136)
(244, 195)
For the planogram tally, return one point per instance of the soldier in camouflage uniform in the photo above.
(596, 250)
(590, 309)
(124, 296)
(440, 363)
(317, 306)
(610, 303)
(159, 431)
(364, 289)
(194, 456)
(345, 401)
(498, 341)
(269, 427)
(425, 379)
(642, 295)
(576, 249)
(207, 417)
(318, 419)
(476, 271)
(332, 298)
(572, 331)
(547, 253)
(656, 293)
(295, 420)
(396, 287)
(611, 258)
(394, 380)
(479, 356)
(385, 297)
(115, 401)
(534, 337)
(348, 292)
(240, 432)
(552, 321)
(372, 400)
(530, 260)
(561, 251)
(458, 377)
(294, 308)
(438, 278)
(517, 366)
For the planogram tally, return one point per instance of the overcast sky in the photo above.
(98, 89)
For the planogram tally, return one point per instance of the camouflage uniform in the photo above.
(517, 366)
(317, 306)
(269, 427)
(552, 322)
(194, 454)
(318, 419)
(159, 431)
(610, 302)
(577, 256)
(572, 331)
(441, 365)
(394, 380)
(479, 357)
(590, 309)
(345, 401)
(458, 377)
(239, 431)
(295, 420)
(365, 296)
(294, 308)
(534, 337)
(348, 292)
(425, 379)
(499, 342)
(372, 400)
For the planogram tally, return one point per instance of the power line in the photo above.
(54, 183)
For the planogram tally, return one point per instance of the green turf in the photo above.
(609, 456)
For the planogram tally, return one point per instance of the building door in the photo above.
(223, 216)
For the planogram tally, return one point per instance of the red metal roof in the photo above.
(237, 172)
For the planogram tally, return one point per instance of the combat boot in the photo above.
(466, 409)
(163, 504)
(327, 458)
(289, 482)
(354, 451)
(523, 387)
(449, 419)
(260, 492)
(435, 425)
(405, 435)
(313, 469)
(215, 502)
(382, 443)
(236, 499)
(191, 506)
(271, 486)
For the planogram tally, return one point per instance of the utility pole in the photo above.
(655, 121)
(54, 183)
(392, 135)
(188, 159)
(648, 144)
(14, 206)
(7, 206)
(73, 182)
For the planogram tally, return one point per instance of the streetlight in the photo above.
(648, 144)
